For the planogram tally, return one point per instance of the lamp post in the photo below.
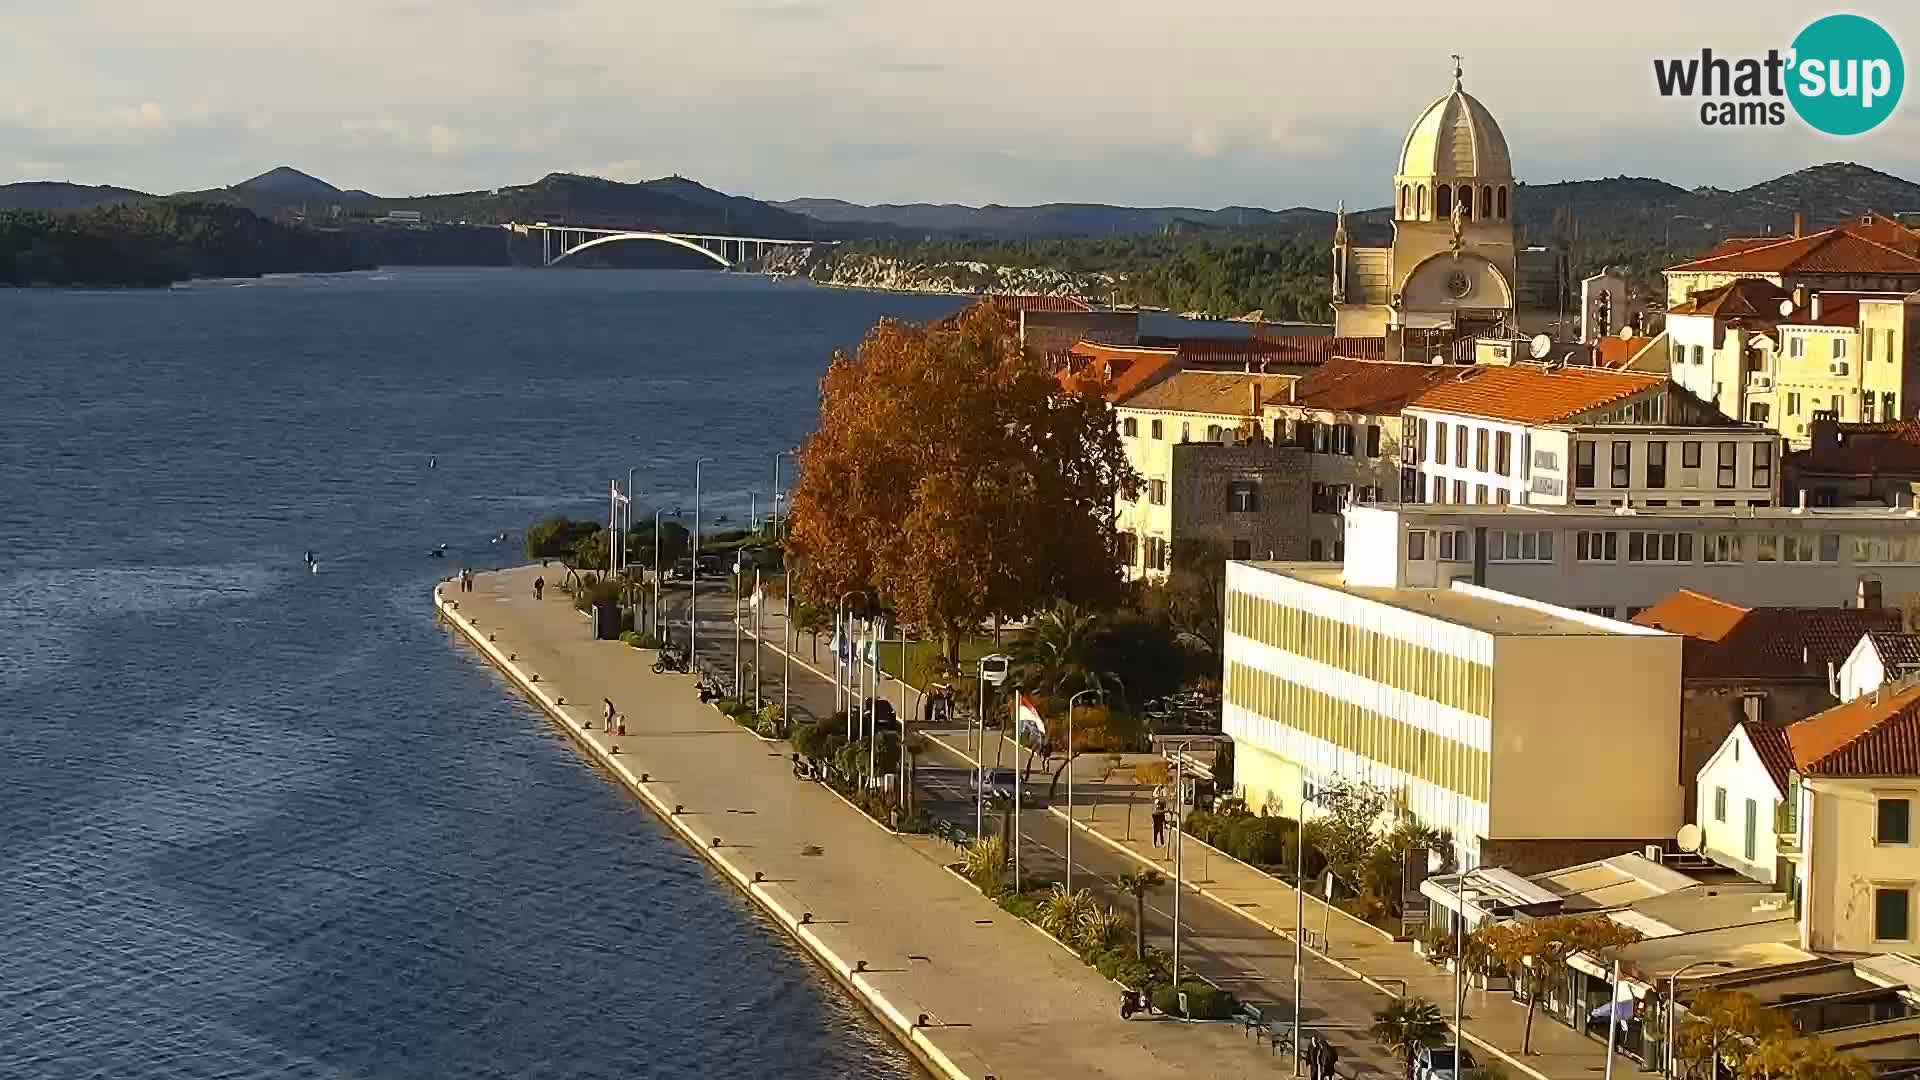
(778, 454)
(1070, 704)
(659, 624)
(693, 599)
(1460, 958)
(1673, 1005)
(628, 522)
(843, 635)
(1300, 912)
(792, 642)
(991, 668)
(1613, 1022)
(1175, 748)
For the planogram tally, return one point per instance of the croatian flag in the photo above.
(1032, 725)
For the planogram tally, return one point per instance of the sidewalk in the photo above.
(1116, 812)
(880, 912)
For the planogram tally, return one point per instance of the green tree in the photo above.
(1535, 953)
(1138, 885)
(1784, 1057)
(1726, 1026)
(1059, 655)
(1408, 1026)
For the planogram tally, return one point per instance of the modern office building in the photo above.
(1466, 703)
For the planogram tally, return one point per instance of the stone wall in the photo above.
(1201, 491)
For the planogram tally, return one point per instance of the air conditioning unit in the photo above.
(1655, 853)
(1759, 380)
(1838, 367)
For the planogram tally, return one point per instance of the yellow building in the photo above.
(1451, 270)
(1468, 703)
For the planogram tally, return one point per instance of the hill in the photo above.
(287, 182)
(60, 195)
(672, 204)
(1047, 219)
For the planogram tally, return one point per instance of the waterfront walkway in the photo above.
(1353, 968)
(880, 912)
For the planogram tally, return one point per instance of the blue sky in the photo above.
(1202, 102)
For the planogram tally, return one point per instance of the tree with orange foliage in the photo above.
(952, 479)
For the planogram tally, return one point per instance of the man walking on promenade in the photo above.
(609, 712)
(1159, 823)
(1329, 1057)
(539, 586)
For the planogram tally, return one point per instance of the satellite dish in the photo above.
(1541, 346)
(1688, 839)
(1626, 333)
(1786, 307)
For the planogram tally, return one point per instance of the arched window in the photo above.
(1503, 202)
(1403, 200)
(1466, 201)
(1486, 203)
(1443, 201)
(1420, 201)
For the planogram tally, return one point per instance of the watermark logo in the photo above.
(1843, 75)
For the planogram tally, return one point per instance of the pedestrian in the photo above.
(1159, 824)
(609, 712)
(539, 586)
(1312, 1053)
(1329, 1057)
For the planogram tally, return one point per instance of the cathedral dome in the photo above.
(1456, 138)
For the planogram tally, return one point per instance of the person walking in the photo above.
(1329, 1057)
(1159, 823)
(609, 712)
(539, 586)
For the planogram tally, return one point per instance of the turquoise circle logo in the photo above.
(1847, 75)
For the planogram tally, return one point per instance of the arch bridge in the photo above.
(558, 242)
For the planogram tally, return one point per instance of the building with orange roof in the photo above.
(1548, 434)
(1208, 472)
(1742, 662)
(1874, 464)
(1868, 254)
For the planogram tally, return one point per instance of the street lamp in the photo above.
(778, 454)
(1300, 914)
(1673, 991)
(628, 522)
(1175, 748)
(992, 668)
(1460, 958)
(659, 624)
(1070, 703)
(693, 599)
(843, 634)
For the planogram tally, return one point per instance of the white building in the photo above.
(1879, 658)
(1619, 561)
(1458, 700)
(1742, 790)
(1532, 434)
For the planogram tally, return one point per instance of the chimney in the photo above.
(1814, 300)
(1253, 398)
(1799, 223)
(1799, 296)
(1293, 398)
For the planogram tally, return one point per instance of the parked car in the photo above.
(713, 566)
(1000, 785)
(1437, 1063)
(681, 570)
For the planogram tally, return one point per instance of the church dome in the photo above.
(1456, 138)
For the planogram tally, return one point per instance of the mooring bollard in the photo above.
(758, 877)
(716, 841)
(859, 966)
(806, 918)
(679, 808)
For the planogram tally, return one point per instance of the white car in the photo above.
(1436, 1063)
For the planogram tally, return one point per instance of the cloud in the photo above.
(146, 116)
(793, 10)
(443, 141)
(1203, 142)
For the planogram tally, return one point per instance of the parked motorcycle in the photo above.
(1133, 1001)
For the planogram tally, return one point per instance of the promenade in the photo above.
(879, 912)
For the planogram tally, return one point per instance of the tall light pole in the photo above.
(693, 600)
(627, 523)
(1459, 959)
(756, 639)
(843, 635)
(1673, 991)
(778, 454)
(1177, 747)
(792, 641)
(1070, 704)
(659, 624)
(991, 668)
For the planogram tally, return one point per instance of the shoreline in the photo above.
(893, 1020)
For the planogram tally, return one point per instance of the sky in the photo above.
(1198, 103)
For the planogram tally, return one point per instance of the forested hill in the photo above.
(159, 243)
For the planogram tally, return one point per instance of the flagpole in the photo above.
(1017, 697)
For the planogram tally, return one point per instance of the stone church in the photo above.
(1451, 274)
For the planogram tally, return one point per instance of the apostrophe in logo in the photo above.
(1843, 75)
(1846, 75)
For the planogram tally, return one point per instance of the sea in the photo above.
(257, 821)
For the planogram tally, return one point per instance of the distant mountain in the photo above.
(673, 204)
(1049, 219)
(60, 195)
(287, 182)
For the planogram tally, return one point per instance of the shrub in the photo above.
(985, 864)
(630, 638)
(1061, 912)
(1019, 904)
(1203, 1002)
(556, 536)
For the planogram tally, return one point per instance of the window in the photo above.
(1439, 491)
(1466, 201)
(1460, 445)
(1699, 354)
(1157, 492)
(1454, 545)
(1156, 552)
(1866, 408)
(1242, 497)
(1886, 407)
(1186, 431)
(1719, 804)
(1592, 546)
(1723, 548)
(1759, 411)
(1243, 549)
(1155, 429)
(1343, 439)
(1486, 202)
(1130, 426)
(1763, 465)
(1890, 912)
(1128, 548)
(1480, 494)
(1622, 464)
(1657, 547)
(1373, 440)
(1656, 464)
(1766, 548)
(1440, 443)
(1501, 198)
(1583, 464)
(1729, 454)
(1416, 545)
(1216, 433)
(1424, 452)
(1420, 201)
(1894, 817)
(1460, 492)
(1514, 545)
(1443, 201)
(1316, 551)
(1689, 455)
(1839, 348)
(1502, 497)
(1750, 842)
(1797, 346)
(1807, 548)
(1403, 200)
(1836, 406)
(1503, 453)
(1793, 403)
(1317, 438)
(1480, 449)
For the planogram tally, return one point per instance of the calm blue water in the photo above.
(257, 822)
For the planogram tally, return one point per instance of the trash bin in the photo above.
(606, 622)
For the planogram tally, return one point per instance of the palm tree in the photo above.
(1059, 654)
(1140, 885)
(1407, 1026)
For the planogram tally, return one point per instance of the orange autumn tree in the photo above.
(952, 478)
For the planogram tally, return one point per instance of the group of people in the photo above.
(466, 579)
(616, 722)
(1321, 1058)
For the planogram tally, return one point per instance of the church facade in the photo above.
(1451, 273)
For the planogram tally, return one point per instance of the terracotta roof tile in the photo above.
(1770, 743)
(1875, 735)
(1616, 353)
(1727, 641)
(1836, 309)
(1533, 393)
(1862, 450)
(1116, 372)
(1897, 649)
(1212, 393)
(1013, 303)
(1290, 350)
(1749, 297)
(1373, 387)
(1830, 251)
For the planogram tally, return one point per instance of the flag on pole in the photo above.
(1032, 724)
